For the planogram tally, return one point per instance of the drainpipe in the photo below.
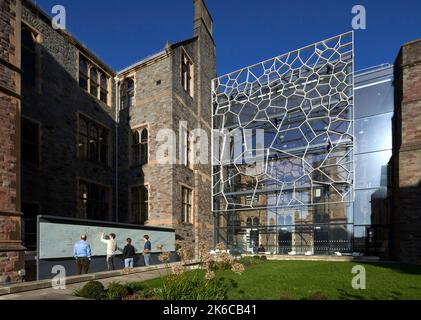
(117, 120)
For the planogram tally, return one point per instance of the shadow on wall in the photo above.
(50, 186)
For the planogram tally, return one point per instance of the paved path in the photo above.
(67, 294)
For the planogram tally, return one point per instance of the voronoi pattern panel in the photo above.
(294, 113)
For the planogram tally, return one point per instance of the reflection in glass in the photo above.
(371, 169)
(374, 100)
(370, 205)
(375, 133)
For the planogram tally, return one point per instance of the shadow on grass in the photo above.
(396, 266)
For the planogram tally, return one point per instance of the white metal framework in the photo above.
(294, 112)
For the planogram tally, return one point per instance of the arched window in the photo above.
(249, 222)
(127, 93)
(135, 148)
(140, 147)
(83, 74)
(29, 56)
(103, 95)
(94, 82)
(144, 146)
(256, 221)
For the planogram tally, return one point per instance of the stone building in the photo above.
(406, 159)
(168, 91)
(80, 140)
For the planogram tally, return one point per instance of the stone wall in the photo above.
(11, 249)
(162, 103)
(152, 110)
(55, 103)
(407, 155)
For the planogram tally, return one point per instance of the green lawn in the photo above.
(331, 280)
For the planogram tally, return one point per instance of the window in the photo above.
(83, 74)
(139, 205)
(94, 201)
(29, 224)
(127, 93)
(187, 74)
(103, 96)
(28, 56)
(93, 141)
(30, 142)
(256, 221)
(140, 147)
(186, 205)
(144, 146)
(188, 150)
(136, 148)
(185, 146)
(93, 80)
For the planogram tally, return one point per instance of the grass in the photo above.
(296, 280)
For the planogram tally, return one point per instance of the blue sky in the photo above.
(245, 31)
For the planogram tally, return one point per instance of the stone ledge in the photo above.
(45, 284)
(10, 213)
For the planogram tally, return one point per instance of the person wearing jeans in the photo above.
(128, 254)
(147, 250)
(111, 249)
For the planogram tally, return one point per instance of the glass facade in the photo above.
(374, 105)
(297, 167)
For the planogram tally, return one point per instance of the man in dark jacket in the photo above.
(128, 254)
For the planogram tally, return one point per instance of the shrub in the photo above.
(252, 261)
(134, 287)
(117, 291)
(91, 290)
(185, 288)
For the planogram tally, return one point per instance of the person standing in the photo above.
(111, 249)
(147, 250)
(128, 254)
(82, 254)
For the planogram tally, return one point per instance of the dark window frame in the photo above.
(127, 93)
(31, 148)
(103, 87)
(187, 74)
(29, 55)
(140, 147)
(93, 200)
(94, 142)
(139, 204)
(98, 85)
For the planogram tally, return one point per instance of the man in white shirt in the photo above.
(111, 249)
